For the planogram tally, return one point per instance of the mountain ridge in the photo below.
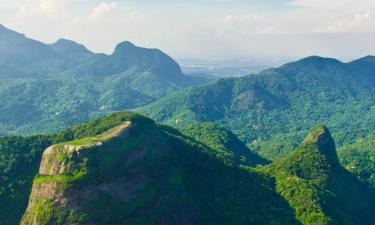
(272, 111)
(156, 171)
(312, 180)
(150, 155)
(64, 83)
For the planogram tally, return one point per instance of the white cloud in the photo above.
(42, 8)
(356, 22)
(337, 5)
(47, 7)
(199, 30)
(100, 10)
(319, 3)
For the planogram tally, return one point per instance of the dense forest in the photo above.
(45, 88)
(201, 175)
(245, 150)
(272, 111)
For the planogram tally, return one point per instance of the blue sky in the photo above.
(207, 29)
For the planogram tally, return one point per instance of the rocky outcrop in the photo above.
(63, 164)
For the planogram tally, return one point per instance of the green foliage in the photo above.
(19, 162)
(20, 157)
(158, 172)
(44, 88)
(318, 188)
(178, 177)
(359, 158)
(225, 143)
(272, 111)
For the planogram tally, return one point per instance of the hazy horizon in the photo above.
(203, 29)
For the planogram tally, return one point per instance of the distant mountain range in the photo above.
(65, 83)
(232, 151)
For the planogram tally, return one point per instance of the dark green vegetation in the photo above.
(20, 159)
(49, 87)
(272, 111)
(199, 174)
(19, 162)
(318, 188)
(224, 143)
(156, 171)
(359, 158)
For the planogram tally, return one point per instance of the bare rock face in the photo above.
(64, 163)
(55, 159)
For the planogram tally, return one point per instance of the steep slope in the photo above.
(146, 169)
(17, 49)
(269, 108)
(359, 158)
(318, 188)
(117, 169)
(19, 162)
(127, 56)
(49, 87)
(20, 55)
(227, 146)
(20, 159)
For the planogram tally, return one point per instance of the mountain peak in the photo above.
(316, 62)
(125, 44)
(64, 41)
(321, 137)
(317, 59)
(124, 47)
(154, 60)
(68, 46)
(319, 134)
(315, 159)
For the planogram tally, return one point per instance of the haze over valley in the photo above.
(233, 112)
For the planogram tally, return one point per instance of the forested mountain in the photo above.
(48, 87)
(234, 151)
(20, 55)
(117, 169)
(318, 188)
(273, 110)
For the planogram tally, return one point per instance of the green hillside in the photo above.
(235, 151)
(45, 88)
(318, 188)
(116, 169)
(20, 159)
(359, 158)
(228, 147)
(150, 170)
(272, 111)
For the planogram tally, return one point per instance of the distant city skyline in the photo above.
(203, 29)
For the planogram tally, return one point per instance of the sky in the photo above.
(203, 29)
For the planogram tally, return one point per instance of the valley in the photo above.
(128, 138)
